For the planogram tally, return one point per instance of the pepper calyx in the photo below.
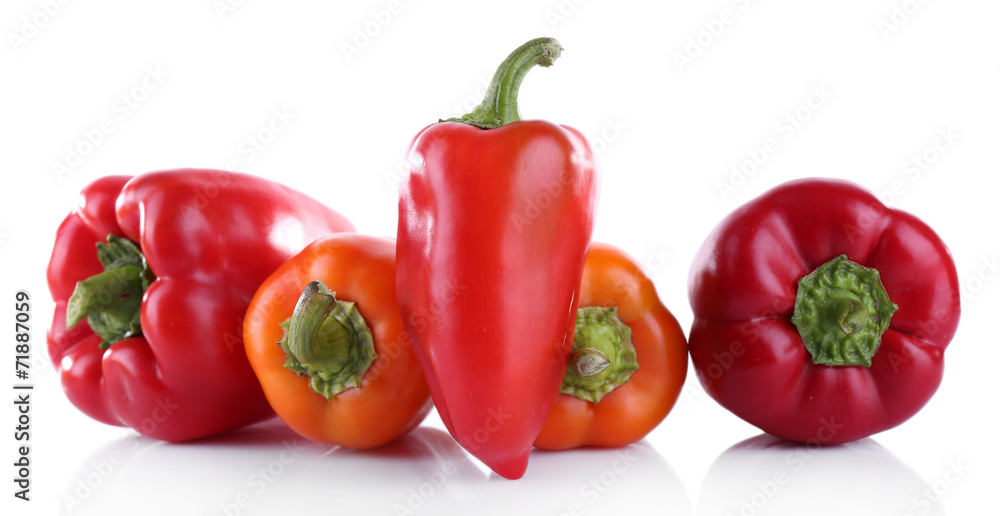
(604, 357)
(328, 340)
(841, 311)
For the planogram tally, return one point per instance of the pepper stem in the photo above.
(841, 311)
(499, 107)
(852, 315)
(603, 354)
(111, 300)
(327, 340)
(589, 361)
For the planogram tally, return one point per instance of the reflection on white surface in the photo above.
(268, 469)
(632, 480)
(767, 476)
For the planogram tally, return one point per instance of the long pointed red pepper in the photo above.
(495, 219)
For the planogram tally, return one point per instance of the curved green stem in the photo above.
(841, 311)
(499, 107)
(327, 340)
(111, 300)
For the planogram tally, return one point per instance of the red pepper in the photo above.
(156, 311)
(821, 315)
(495, 218)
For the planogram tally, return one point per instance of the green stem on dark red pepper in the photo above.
(499, 107)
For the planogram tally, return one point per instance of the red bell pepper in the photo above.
(495, 218)
(155, 312)
(821, 315)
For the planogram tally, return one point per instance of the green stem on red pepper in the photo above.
(603, 354)
(111, 300)
(327, 340)
(499, 107)
(841, 311)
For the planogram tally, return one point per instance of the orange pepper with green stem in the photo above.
(629, 359)
(335, 362)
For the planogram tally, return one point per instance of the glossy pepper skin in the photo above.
(390, 396)
(494, 226)
(612, 278)
(744, 291)
(210, 238)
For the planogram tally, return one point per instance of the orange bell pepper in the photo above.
(629, 359)
(335, 362)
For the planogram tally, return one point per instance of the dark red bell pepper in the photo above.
(156, 308)
(821, 315)
(495, 218)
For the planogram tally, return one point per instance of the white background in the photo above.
(672, 95)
